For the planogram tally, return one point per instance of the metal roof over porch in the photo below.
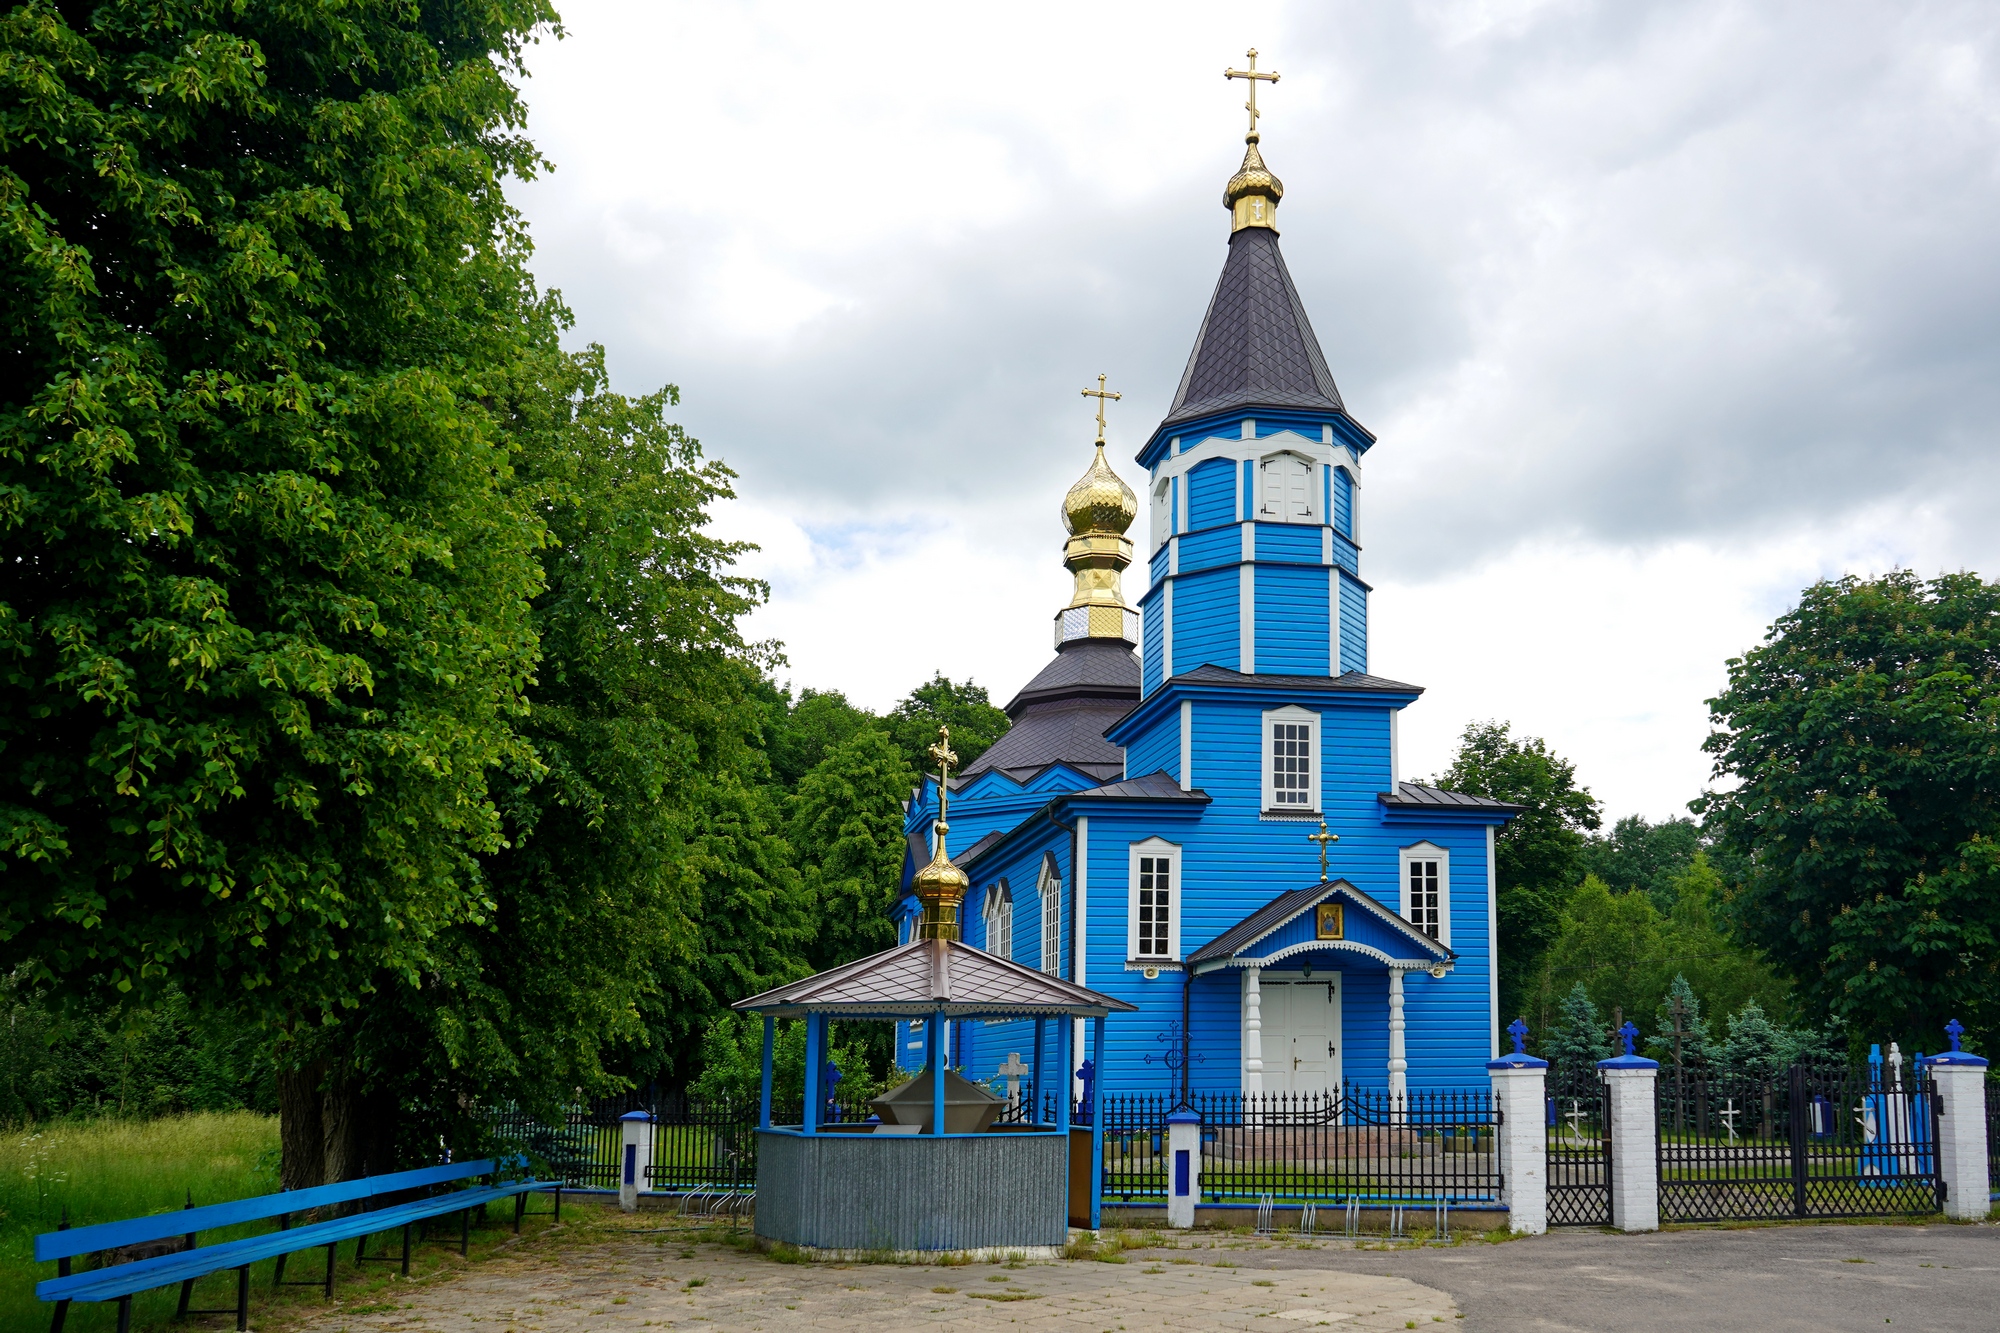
(926, 977)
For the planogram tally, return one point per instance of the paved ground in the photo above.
(634, 1273)
(1766, 1279)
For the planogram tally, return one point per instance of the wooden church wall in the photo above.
(1292, 630)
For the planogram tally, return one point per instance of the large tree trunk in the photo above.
(346, 1114)
(301, 1128)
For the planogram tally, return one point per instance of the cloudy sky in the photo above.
(1660, 312)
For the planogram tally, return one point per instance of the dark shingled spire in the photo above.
(1256, 347)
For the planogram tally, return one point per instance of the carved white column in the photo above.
(1399, 1076)
(1253, 1031)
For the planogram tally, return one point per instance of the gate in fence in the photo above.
(1813, 1141)
(1579, 1167)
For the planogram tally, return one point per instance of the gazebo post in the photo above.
(815, 1029)
(941, 1050)
(1096, 1121)
(1065, 1069)
(764, 1094)
(1041, 1034)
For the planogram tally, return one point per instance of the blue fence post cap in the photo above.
(1518, 1060)
(1956, 1060)
(1628, 1062)
(1184, 1116)
(647, 1116)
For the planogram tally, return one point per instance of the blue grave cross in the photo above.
(1518, 1030)
(1954, 1030)
(1628, 1032)
(1087, 1074)
(829, 1078)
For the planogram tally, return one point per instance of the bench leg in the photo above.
(278, 1273)
(406, 1249)
(243, 1299)
(520, 1206)
(62, 1313)
(465, 1231)
(124, 1314)
(360, 1249)
(329, 1270)
(187, 1290)
(558, 1203)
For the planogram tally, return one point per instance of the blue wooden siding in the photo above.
(1292, 629)
(1211, 494)
(1298, 543)
(1246, 494)
(1216, 546)
(1205, 627)
(1157, 566)
(1152, 629)
(1158, 750)
(1353, 626)
(1347, 555)
(1343, 502)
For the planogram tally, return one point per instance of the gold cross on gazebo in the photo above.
(1254, 75)
(1100, 393)
(1325, 840)
(945, 759)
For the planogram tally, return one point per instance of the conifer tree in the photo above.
(1693, 1054)
(1577, 1040)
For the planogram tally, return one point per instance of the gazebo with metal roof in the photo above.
(835, 1188)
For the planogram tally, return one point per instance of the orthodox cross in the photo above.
(1630, 1033)
(1254, 75)
(1954, 1030)
(1677, 1011)
(1013, 1071)
(1518, 1030)
(1729, 1114)
(1100, 393)
(945, 759)
(1325, 840)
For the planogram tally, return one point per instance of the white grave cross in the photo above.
(1729, 1117)
(1013, 1071)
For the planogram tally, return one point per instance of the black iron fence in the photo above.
(1345, 1144)
(1812, 1141)
(1993, 1134)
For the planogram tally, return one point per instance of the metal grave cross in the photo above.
(1325, 840)
(1575, 1118)
(1100, 393)
(1255, 76)
(1013, 1071)
(1729, 1114)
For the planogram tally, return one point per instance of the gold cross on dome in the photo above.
(945, 759)
(1325, 840)
(1254, 75)
(1100, 393)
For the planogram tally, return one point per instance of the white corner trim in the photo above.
(1332, 614)
(1492, 946)
(1167, 630)
(1249, 534)
(1246, 619)
(1395, 748)
(1187, 745)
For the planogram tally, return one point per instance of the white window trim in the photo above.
(1176, 899)
(1162, 525)
(999, 914)
(1048, 904)
(1295, 714)
(1426, 851)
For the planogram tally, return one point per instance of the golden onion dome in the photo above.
(1253, 177)
(940, 890)
(1100, 502)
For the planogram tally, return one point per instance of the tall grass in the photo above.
(107, 1170)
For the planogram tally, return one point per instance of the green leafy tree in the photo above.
(266, 609)
(1641, 855)
(974, 721)
(847, 828)
(1611, 945)
(801, 733)
(1863, 738)
(1538, 855)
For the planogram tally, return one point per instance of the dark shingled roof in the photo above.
(1256, 347)
(1152, 787)
(977, 849)
(1210, 674)
(1288, 905)
(1409, 795)
(1061, 715)
(924, 976)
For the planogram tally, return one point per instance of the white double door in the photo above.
(1301, 1036)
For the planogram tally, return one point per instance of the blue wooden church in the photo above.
(1198, 807)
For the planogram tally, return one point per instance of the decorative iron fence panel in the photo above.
(1347, 1143)
(1993, 1132)
(1579, 1135)
(1814, 1141)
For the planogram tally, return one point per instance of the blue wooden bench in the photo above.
(381, 1213)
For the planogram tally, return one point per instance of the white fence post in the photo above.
(1520, 1093)
(1183, 1167)
(1961, 1127)
(635, 1156)
(1635, 1137)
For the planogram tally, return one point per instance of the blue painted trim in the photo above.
(793, 1131)
(1957, 1059)
(1625, 1062)
(1184, 1118)
(1169, 693)
(646, 1116)
(1518, 1062)
(1270, 421)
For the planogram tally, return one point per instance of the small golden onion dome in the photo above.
(1100, 502)
(1253, 177)
(940, 890)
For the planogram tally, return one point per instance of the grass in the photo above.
(109, 1170)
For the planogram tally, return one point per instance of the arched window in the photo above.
(1285, 490)
(1050, 889)
(999, 914)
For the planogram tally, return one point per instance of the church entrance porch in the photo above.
(1292, 1030)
